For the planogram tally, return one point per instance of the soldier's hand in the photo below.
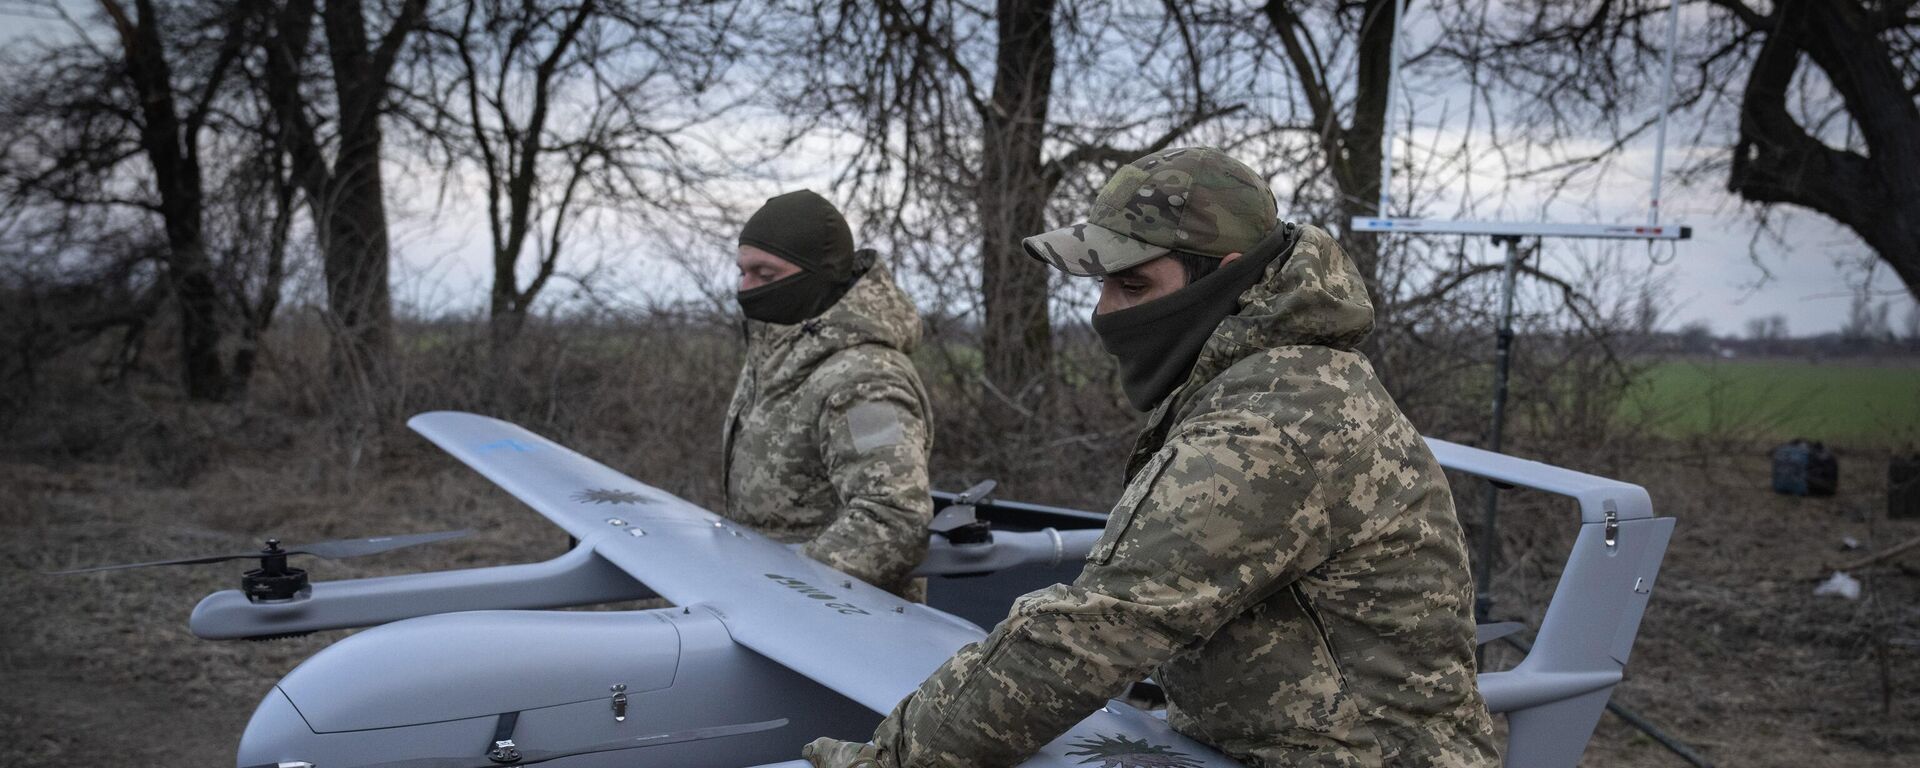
(831, 753)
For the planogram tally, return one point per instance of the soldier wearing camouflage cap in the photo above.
(1285, 561)
(828, 431)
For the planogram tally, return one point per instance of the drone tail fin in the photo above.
(1553, 698)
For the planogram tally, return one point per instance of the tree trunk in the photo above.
(355, 248)
(356, 245)
(1351, 145)
(1358, 176)
(347, 197)
(505, 320)
(1017, 341)
(257, 312)
(1776, 161)
(167, 144)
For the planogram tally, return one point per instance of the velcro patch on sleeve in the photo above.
(875, 425)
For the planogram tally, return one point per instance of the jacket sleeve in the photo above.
(876, 458)
(1208, 527)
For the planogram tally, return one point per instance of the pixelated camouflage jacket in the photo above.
(827, 435)
(1285, 562)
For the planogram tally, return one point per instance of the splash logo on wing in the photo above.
(829, 600)
(609, 496)
(1118, 751)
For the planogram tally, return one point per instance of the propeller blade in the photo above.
(1487, 633)
(978, 493)
(953, 518)
(181, 561)
(332, 550)
(345, 548)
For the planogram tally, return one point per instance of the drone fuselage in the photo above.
(426, 689)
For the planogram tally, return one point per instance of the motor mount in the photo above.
(960, 523)
(273, 581)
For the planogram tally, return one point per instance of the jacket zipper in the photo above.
(1320, 628)
(733, 438)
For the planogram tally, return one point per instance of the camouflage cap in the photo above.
(1192, 199)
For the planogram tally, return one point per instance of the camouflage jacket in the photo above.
(1285, 562)
(828, 432)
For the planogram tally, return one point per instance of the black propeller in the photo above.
(959, 523)
(273, 581)
(338, 549)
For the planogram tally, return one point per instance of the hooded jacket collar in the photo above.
(873, 311)
(1315, 297)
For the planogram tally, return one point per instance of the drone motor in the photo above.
(273, 581)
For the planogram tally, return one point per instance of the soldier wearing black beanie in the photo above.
(828, 432)
(802, 228)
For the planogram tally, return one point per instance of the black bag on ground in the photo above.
(1903, 486)
(1805, 468)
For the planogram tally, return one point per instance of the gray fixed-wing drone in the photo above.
(766, 649)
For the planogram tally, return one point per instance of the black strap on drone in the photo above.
(502, 750)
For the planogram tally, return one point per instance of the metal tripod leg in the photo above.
(1503, 358)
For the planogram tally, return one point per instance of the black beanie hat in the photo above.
(802, 227)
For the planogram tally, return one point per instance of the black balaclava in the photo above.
(803, 228)
(1155, 344)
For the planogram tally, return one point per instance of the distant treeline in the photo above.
(1866, 334)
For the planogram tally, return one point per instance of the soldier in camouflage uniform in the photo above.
(827, 434)
(1285, 560)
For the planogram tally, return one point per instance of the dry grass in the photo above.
(1736, 655)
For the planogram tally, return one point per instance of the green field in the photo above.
(1838, 402)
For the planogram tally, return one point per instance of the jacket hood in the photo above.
(1315, 296)
(873, 311)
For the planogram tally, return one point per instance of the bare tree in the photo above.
(1840, 137)
(566, 107)
(1867, 323)
(963, 136)
(1870, 54)
(170, 138)
(66, 280)
(345, 193)
(1329, 64)
(123, 104)
(151, 127)
(1767, 332)
(253, 216)
(1336, 59)
(1696, 338)
(1349, 127)
(1013, 191)
(1546, 79)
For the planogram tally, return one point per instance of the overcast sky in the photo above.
(1721, 277)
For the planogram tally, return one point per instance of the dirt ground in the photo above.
(1736, 656)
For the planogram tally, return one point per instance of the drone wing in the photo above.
(854, 638)
(1597, 495)
(842, 633)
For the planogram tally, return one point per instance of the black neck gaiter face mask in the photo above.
(1156, 344)
(792, 299)
(808, 232)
